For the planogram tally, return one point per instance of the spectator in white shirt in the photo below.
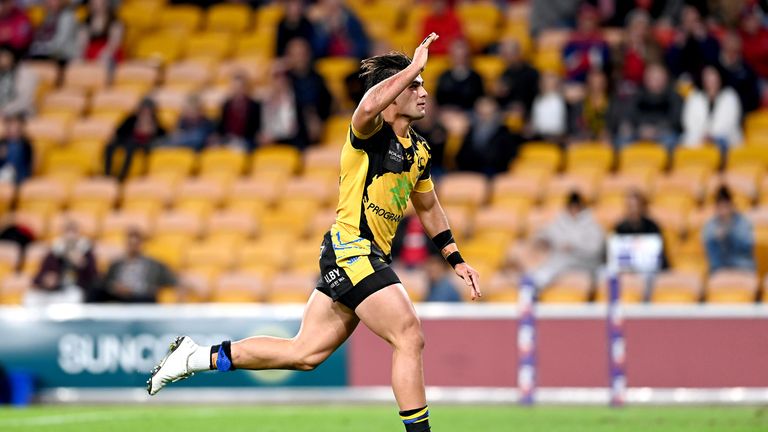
(548, 114)
(712, 113)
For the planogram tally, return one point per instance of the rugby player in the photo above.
(383, 164)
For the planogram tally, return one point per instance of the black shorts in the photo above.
(373, 271)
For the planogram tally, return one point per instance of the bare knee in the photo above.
(306, 360)
(409, 338)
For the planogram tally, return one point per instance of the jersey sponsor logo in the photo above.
(384, 213)
(332, 275)
(396, 156)
(400, 193)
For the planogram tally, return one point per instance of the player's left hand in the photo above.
(471, 278)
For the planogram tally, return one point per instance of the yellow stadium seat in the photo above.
(592, 155)
(334, 70)
(70, 101)
(291, 288)
(322, 162)
(309, 188)
(614, 189)
(650, 154)
(199, 196)
(170, 101)
(281, 158)
(549, 61)
(677, 287)
(208, 256)
(268, 16)
(114, 225)
(42, 195)
(497, 222)
(90, 76)
(239, 288)
(230, 227)
(480, 23)
(463, 189)
(541, 154)
(489, 67)
(262, 257)
(305, 256)
(747, 156)
(46, 72)
(517, 193)
(182, 18)
(222, 164)
(91, 135)
(34, 254)
(631, 285)
(171, 163)
(187, 76)
(168, 251)
(742, 185)
(87, 223)
(321, 223)
(756, 121)
(706, 157)
(380, 19)
(228, 17)
(141, 15)
(49, 130)
(431, 73)
(502, 287)
(179, 227)
(335, 131)
(209, 46)
(118, 102)
(96, 195)
(32, 220)
(135, 75)
(159, 48)
(561, 186)
(732, 286)
(251, 197)
(459, 219)
(571, 287)
(146, 195)
(6, 196)
(256, 68)
(285, 221)
(66, 161)
(9, 258)
(13, 287)
(260, 44)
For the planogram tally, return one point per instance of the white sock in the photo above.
(200, 359)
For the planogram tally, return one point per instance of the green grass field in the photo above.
(379, 419)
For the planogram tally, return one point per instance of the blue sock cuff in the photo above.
(223, 362)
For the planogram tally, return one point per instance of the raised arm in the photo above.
(367, 115)
(435, 224)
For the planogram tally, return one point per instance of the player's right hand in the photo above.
(422, 51)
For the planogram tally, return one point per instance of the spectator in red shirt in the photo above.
(638, 49)
(443, 21)
(15, 28)
(754, 37)
(240, 120)
(587, 49)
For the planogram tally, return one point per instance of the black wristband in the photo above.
(443, 239)
(454, 259)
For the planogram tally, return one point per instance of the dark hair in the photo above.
(376, 69)
(12, 51)
(575, 199)
(723, 195)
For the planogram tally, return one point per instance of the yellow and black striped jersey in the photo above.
(378, 173)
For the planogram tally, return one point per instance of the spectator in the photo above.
(637, 221)
(280, 112)
(433, 130)
(135, 278)
(738, 74)
(754, 37)
(653, 114)
(56, 37)
(442, 20)
(15, 27)
(15, 151)
(574, 241)
(240, 119)
(139, 132)
(552, 14)
(441, 280)
(17, 90)
(587, 49)
(712, 113)
(312, 96)
(549, 113)
(488, 146)
(638, 49)
(194, 128)
(728, 236)
(588, 117)
(67, 272)
(100, 36)
(518, 84)
(459, 86)
(694, 47)
(294, 24)
(339, 32)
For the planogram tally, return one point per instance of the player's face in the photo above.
(412, 102)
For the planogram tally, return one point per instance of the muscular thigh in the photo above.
(389, 313)
(326, 324)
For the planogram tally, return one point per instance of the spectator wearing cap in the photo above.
(573, 242)
(586, 49)
(728, 237)
(712, 113)
(17, 90)
(15, 27)
(139, 132)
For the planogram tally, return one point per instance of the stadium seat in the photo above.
(208, 257)
(34, 222)
(34, 254)
(305, 256)
(230, 227)
(487, 254)
(268, 16)
(177, 226)
(251, 197)
(69, 162)
(169, 251)
(256, 67)
(608, 214)
(321, 223)
(42, 195)
(170, 101)
(571, 287)
(222, 164)
(238, 288)
(742, 185)
(6, 196)
(747, 156)
(431, 74)
(13, 288)
(732, 286)
(545, 155)
(287, 220)
(614, 189)
(87, 223)
(497, 222)
(228, 17)
(517, 193)
(89, 76)
(68, 104)
(489, 68)
(334, 70)
(95, 195)
(262, 257)
(631, 285)
(212, 100)
(561, 186)
(46, 132)
(646, 154)
(117, 102)
(147, 195)
(137, 76)
(198, 196)
(308, 188)
(291, 287)
(593, 155)
(480, 23)
(681, 186)
(501, 287)
(463, 189)
(187, 76)
(209, 46)
(10, 256)
(416, 284)
(114, 226)
(182, 18)
(677, 287)
(379, 19)
(46, 72)
(159, 48)
(171, 163)
(282, 159)
(705, 157)
(260, 44)
(335, 131)
(322, 163)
